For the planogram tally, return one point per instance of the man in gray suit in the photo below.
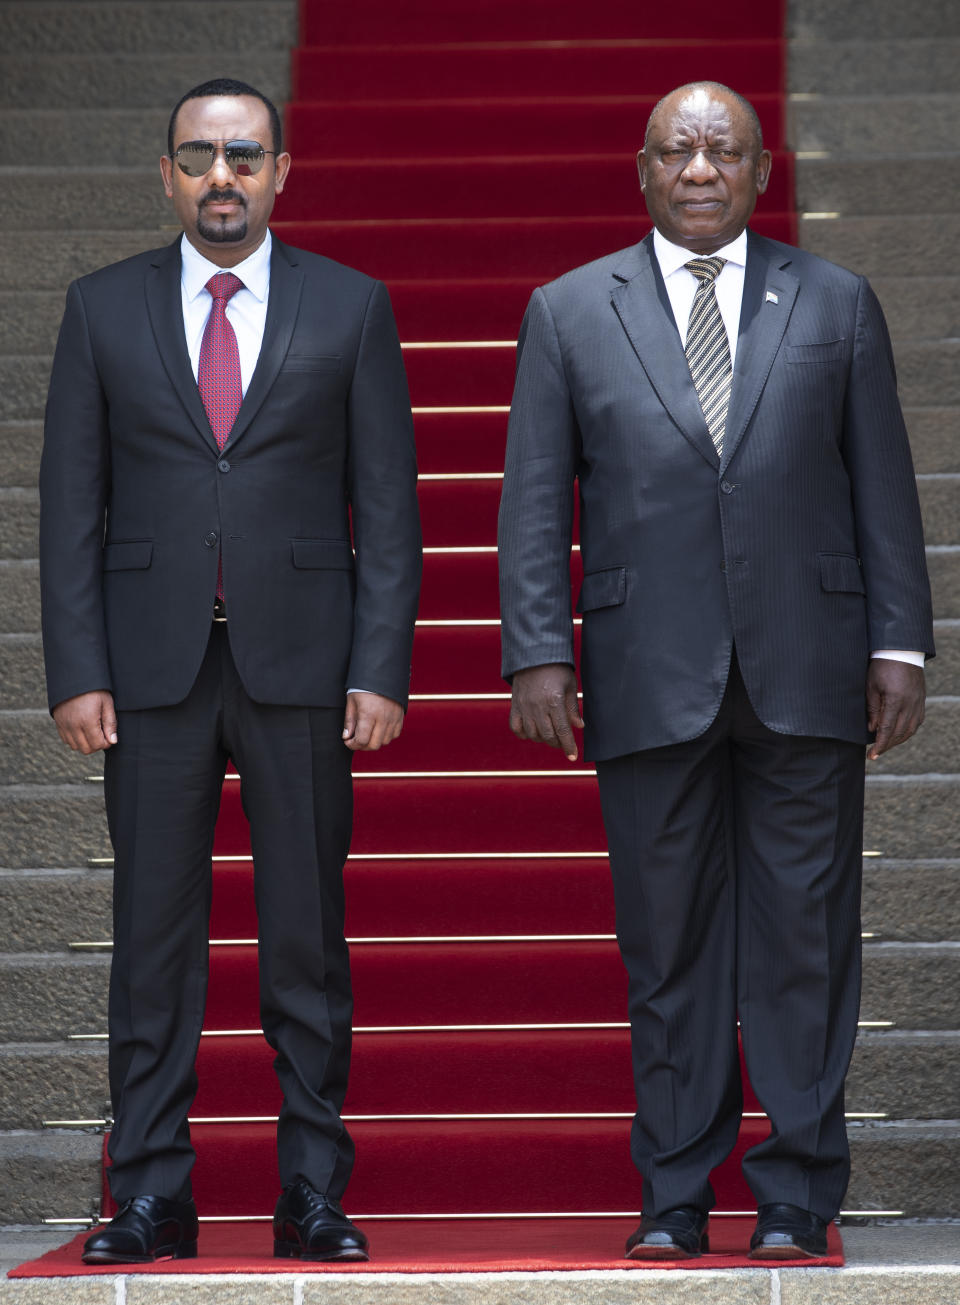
(755, 609)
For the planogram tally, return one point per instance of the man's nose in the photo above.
(699, 169)
(220, 172)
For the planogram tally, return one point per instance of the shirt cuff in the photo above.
(898, 655)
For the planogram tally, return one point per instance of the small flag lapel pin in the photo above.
(771, 298)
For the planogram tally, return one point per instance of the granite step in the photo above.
(77, 81)
(31, 751)
(912, 242)
(934, 438)
(900, 1073)
(909, 1166)
(922, 307)
(49, 995)
(847, 184)
(139, 27)
(904, 66)
(906, 900)
(859, 126)
(822, 19)
(913, 1263)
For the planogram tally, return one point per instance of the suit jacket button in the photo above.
(210, 539)
(223, 465)
(727, 487)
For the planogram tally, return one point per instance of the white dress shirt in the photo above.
(681, 287)
(246, 310)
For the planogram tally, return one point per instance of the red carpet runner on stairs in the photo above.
(465, 153)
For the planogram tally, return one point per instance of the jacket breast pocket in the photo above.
(607, 588)
(128, 555)
(821, 352)
(322, 554)
(328, 363)
(840, 573)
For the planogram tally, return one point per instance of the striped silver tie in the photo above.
(707, 348)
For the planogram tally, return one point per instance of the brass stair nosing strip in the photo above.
(401, 939)
(88, 1221)
(565, 855)
(449, 1117)
(369, 1029)
(458, 344)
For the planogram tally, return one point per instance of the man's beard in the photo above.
(222, 230)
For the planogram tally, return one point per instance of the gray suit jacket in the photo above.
(137, 501)
(803, 545)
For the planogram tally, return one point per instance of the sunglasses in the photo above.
(244, 158)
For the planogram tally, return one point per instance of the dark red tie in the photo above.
(218, 372)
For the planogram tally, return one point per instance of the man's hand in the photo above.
(544, 706)
(895, 696)
(371, 721)
(88, 722)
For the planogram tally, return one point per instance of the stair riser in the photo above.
(88, 81)
(102, 29)
(821, 19)
(910, 901)
(873, 244)
(46, 998)
(859, 66)
(902, 1075)
(464, 659)
(876, 125)
(849, 186)
(461, 736)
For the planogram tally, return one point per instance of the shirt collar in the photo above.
(672, 257)
(254, 271)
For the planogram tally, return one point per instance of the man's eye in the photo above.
(726, 156)
(673, 155)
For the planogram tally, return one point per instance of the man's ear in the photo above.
(764, 165)
(642, 168)
(166, 171)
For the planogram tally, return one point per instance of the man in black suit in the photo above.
(755, 606)
(230, 565)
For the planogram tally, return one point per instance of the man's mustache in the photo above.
(220, 196)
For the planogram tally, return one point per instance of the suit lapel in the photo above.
(769, 292)
(286, 286)
(641, 303)
(165, 309)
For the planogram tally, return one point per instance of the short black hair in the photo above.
(227, 86)
(744, 104)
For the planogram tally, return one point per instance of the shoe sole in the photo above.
(181, 1251)
(786, 1253)
(290, 1251)
(673, 1252)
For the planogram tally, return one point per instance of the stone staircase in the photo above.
(81, 189)
(872, 169)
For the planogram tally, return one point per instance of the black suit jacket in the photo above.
(803, 544)
(138, 502)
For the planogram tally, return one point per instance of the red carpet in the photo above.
(465, 152)
(442, 1246)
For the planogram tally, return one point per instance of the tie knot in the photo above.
(223, 286)
(705, 269)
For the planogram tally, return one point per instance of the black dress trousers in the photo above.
(162, 784)
(736, 861)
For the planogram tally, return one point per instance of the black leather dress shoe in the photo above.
(678, 1234)
(311, 1226)
(788, 1232)
(144, 1229)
